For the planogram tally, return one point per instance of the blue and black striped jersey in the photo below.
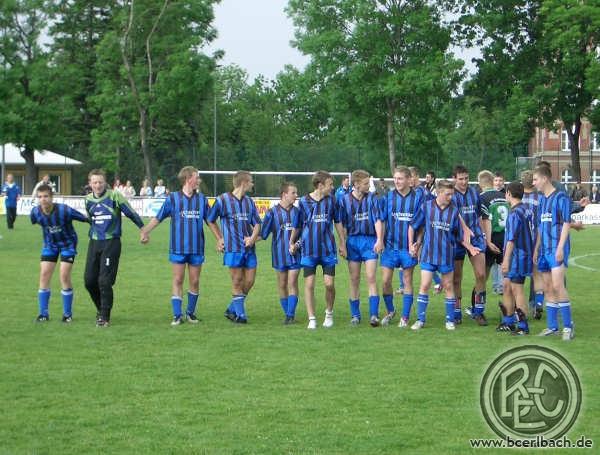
(238, 218)
(280, 222)
(316, 219)
(442, 232)
(469, 206)
(359, 216)
(187, 216)
(397, 211)
(57, 226)
(519, 230)
(554, 212)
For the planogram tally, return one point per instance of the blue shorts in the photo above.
(323, 261)
(191, 259)
(360, 248)
(548, 262)
(516, 278)
(50, 254)
(245, 260)
(460, 251)
(286, 268)
(443, 269)
(393, 259)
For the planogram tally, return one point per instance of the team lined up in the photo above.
(407, 226)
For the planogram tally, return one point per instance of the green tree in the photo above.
(539, 60)
(384, 68)
(28, 114)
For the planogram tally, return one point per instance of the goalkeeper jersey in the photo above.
(105, 214)
(495, 208)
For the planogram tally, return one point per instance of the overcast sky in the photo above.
(256, 35)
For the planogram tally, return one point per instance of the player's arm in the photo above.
(565, 213)
(214, 228)
(378, 248)
(254, 237)
(145, 232)
(467, 233)
(128, 211)
(508, 252)
(486, 224)
(341, 232)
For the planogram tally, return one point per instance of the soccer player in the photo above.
(398, 209)
(60, 239)
(12, 192)
(188, 209)
(531, 197)
(361, 221)
(552, 252)
(494, 212)
(439, 230)
(518, 261)
(468, 203)
(104, 207)
(240, 229)
(317, 216)
(280, 221)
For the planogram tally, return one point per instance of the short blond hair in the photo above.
(185, 173)
(444, 185)
(403, 170)
(320, 177)
(359, 175)
(97, 172)
(485, 179)
(240, 177)
(527, 179)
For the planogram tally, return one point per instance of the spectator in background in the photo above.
(382, 188)
(159, 189)
(499, 182)
(129, 190)
(12, 191)
(595, 196)
(343, 189)
(45, 181)
(146, 189)
(118, 186)
(430, 182)
(578, 192)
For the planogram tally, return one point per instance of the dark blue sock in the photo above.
(436, 278)
(457, 311)
(374, 305)
(292, 302)
(422, 302)
(389, 303)
(552, 315)
(450, 304)
(283, 301)
(539, 298)
(509, 319)
(407, 301)
(523, 325)
(43, 301)
(565, 313)
(67, 299)
(479, 303)
(176, 304)
(355, 308)
(192, 301)
(231, 308)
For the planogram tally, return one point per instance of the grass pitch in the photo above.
(142, 386)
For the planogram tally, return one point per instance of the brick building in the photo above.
(554, 147)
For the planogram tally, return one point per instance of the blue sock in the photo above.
(479, 303)
(450, 304)
(509, 320)
(436, 278)
(43, 301)
(192, 301)
(389, 303)
(407, 301)
(283, 301)
(523, 325)
(176, 304)
(552, 315)
(422, 302)
(238, 304)
(374, 305)
(67, 299)
(231, 308)
(354, 308)
(292, 302)
(401, 278)
(457, 311)
(565, 313)
(539, 298)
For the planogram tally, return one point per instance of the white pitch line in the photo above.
(573, 261)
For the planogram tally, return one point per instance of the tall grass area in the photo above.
(142, 386)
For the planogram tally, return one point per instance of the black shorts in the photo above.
(327, 270)
(69, 259)
(491, 257)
